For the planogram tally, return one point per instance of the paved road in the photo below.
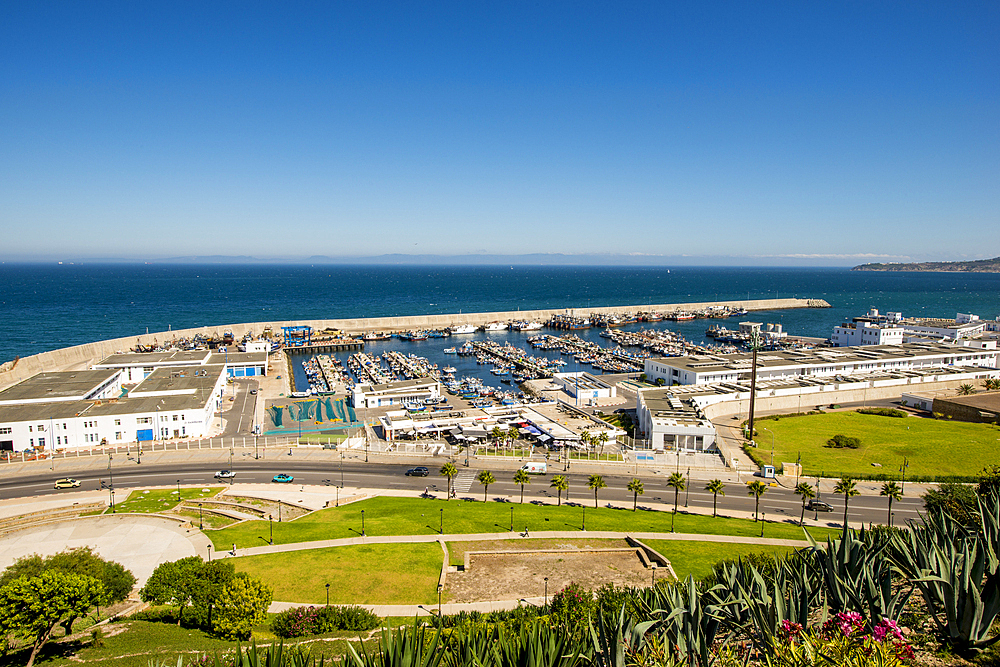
(777, 503)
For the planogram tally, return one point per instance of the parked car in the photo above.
(67, 483)
(819, 506)
(282, 478)
(419, 471)
(534, 467)
(253, 391)
(225, 474)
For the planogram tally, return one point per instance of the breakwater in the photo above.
(81, 356)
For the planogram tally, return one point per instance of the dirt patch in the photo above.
(499, 576)
(456, 550)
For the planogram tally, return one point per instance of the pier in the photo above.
(319, 348)
(497, 352)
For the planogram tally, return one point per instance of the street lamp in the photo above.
(111, 484)
(328, 595)
(762, 523)
(772, 442)
(342, 470)
(270, 528)
(902, 470)
(200, 525)
(178, 490)
(441, 529)
(687, 488)
(440, 587)
(512, 519)
(363, 522)
(584, 506)
(546, 591)
(653, 582)
(209, 553)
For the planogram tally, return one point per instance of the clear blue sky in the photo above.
(831, 131)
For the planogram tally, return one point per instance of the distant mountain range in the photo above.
(974, 266)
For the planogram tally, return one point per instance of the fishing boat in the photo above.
(450, 350)
(495, 326)
(463, 329)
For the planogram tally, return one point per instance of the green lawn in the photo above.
(417, 516)
(162, 499)
(697, 558)
(933, 446)
(362, 574)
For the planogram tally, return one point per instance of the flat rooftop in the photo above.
(56, 386)
(175, 358)
(188, 379)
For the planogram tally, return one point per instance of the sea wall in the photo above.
(81, 356)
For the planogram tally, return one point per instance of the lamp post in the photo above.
(687, 488)
(111, 484)
(363, 522)
(546, 591)
(652, 583)
(512, 519)
(902, 470)
(255, 455)
(209, 553)
(328, 595)
(762, 523)
(584, 522)
(440, 587)
(200, 525)
(441, 528)
(178, 490)
(342, 470)
(270, 528)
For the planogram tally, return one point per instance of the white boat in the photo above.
(531, 326)
(496, 326)
(449, 369)
(463, 329)
(450, 350)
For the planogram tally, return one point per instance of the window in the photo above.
(30, 429)
(143, 420)
(118, 422)
(58, 439)
(6, 430)
(41, 442)
(118, 435)
(163, 418)
(175, 417)
(41, 428)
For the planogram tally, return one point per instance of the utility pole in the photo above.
(754, 344)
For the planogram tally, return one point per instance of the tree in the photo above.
(497, 434)
(716, 488)
(175, 582)
(212, 579)
(596, 482)
(847, 487)
(991, 384)
(966, 390)
(586, 439)
(635, 486)
(117, 581)
(450, 471)
(677, 482)
(989, 480)
(602, 439)
(560, 484)
(522, 477)
(891, 491)
(804, 490)
(31, 607)
(756, 489)
(242, 605)
(958, 500)
(485, 477)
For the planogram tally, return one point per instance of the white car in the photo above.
(225, 474)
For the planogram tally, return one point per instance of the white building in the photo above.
(673, 423)
(585, 387)
(852, 334)
(138, 365)
(821, 362)
(84, 409)
(395, 393)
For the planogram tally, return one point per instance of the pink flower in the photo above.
(887, 628)
(791, 629)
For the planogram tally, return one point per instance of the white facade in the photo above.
(670, 424)
(585, 387)
(394, 393)
(863, 333)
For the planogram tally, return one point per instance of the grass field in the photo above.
(362, 574)
(697, 558)
(933, 446)
(162, 499)
(414, 516)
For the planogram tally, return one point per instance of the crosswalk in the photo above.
(464, 480)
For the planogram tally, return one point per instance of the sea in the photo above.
(49, 306)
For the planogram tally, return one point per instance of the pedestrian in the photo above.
(427, 490)
(525, 531)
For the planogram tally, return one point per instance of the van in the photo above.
(534, 468)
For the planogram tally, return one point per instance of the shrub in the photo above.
(302, 621)
(882, 412)
(572, 605)
(841, 441)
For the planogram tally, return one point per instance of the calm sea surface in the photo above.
(45, 307)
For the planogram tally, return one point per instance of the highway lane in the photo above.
(777, 503)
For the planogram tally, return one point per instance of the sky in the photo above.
(823, 133)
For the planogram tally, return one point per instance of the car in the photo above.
(282, 478)
(819, 506)
(225, 474)
(419, 471)
(253, 391)
(67, 483)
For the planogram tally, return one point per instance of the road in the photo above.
(778, 503)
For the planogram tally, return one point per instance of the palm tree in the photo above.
(496, 434)
(450, 471)
(715, 487)
(522, 477)
(602, 439)
(991, 384)
(891, 491)
(966, 390)
(485, 477)
(586, 439)
(677, 482)
(560, 484)
(635, 486)
(847, 487)
(756, 489)
(806, 491)
(596, 482)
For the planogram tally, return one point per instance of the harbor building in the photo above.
(672, 422)
(852, 334)
(585, 387)
(367, 395)
(137, 366)
(85, 409)
(893, 329)
(820, 362)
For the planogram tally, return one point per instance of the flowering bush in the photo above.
(841, 642)
(572, 605)
(301, 621)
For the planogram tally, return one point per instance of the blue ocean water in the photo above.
(45, 307)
